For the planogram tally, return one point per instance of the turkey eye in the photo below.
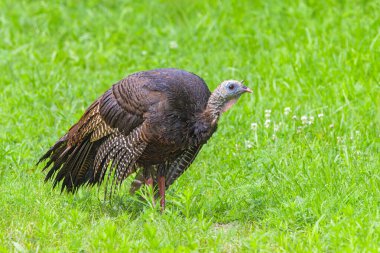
(231, 86)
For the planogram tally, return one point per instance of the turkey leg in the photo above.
(161, 190)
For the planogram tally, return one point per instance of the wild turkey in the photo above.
(153, 123)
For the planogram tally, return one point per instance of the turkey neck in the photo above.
(205, 122)
(216, 105)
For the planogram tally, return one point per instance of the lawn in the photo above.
(293, 167)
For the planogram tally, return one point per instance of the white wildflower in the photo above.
(267, 113)
(248, 144)
(331, 126)
(254, 126)
(276, 127)
(274, 137)
(304, 119)
(299, 130)
(320, 115)
(287, 110)
(267, 123)
(311, 120)
(294, 117)
(173, 44)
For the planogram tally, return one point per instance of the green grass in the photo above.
(303, 188)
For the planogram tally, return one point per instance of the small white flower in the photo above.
(287, 110)
(304, 119)
(267, 123)
(248, 144)
(173, 44)
(299, 129)
(267, 113)
(254, 126)
(274, 137)
(331, 126)
(311, 120)
(357, 132)
(276, 127)
(320, 115)
(294, 117)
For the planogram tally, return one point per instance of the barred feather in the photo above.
(118, 154)
(101, 130)
(179, 166)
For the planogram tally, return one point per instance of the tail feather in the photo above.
(57, 162)
(71, 165)
(55, 150)
(85, 164)
(88, 162)
(68, 172)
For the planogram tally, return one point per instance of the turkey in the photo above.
(152, 123)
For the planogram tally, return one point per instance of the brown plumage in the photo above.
(153, 123)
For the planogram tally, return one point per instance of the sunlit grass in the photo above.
(293, 166)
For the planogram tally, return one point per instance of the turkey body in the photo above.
(151, 122)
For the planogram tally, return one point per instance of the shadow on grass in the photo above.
(223, 208)
(93, 202)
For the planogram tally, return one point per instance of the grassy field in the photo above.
(294, 167)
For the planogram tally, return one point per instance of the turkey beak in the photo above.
(246, 89)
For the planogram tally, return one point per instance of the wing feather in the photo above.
(118, 154)
(180, 165)
(104, 132)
